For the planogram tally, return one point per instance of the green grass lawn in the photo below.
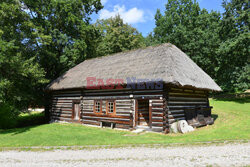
(232, 123)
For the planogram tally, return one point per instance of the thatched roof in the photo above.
(165, 61)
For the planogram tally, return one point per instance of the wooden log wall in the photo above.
(180, 99)
(62, 105)
(122, 118)
(125, 107)
(157, 109)
(62, 102)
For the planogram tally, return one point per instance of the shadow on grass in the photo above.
(16, 131)
(215, 116)
(25, 123)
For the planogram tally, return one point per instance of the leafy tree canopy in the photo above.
(39, 40)
(117, 36)
(217, 43)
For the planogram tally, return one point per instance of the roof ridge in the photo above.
(128, 51)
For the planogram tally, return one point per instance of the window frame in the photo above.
(100, 106)
(107, 107)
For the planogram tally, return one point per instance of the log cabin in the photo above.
(148, 88)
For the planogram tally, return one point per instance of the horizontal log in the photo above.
(62, 105)
(157, 104)
(87, 101)
(157, 100)
(158, 124)
(148, 96)
(175, 111)
(187, 90)
(91, 123)
(106, 116)
(61, 111)
(122, 126)
(124, 101)
(176, 116)
(88, 110)
(121, 107)
(123, 110)
(157, 120)
(62, 108)
(105, 119)
(126, 114)
(157, 114)
(174, 98)
(123, 104)
(183, 107)
(87, 105)
(186, 103)
(105, 97)
(187, 95)
(157, 109)
(87, 120)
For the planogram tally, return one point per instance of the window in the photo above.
(98, 107)
(110, 107)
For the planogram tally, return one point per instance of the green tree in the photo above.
(20, 75)
(39, 40)
(193, 30)
(65, 36)
(117, 36)
(234, 69)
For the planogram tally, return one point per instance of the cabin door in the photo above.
(76, 111)
(143, 113)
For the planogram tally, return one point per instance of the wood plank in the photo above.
(186, 103)
(174, 98)
(127, 122)
(107, 116)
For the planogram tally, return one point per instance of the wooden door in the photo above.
(143, 113)
(76, 111)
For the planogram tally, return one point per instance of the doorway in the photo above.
(76, 111)
(143, 118)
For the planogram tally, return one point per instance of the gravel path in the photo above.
(222, 155)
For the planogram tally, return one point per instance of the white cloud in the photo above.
(130, 16)
(104, 1)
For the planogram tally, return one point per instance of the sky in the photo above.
(140, 13)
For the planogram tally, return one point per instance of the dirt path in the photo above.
(223, 155)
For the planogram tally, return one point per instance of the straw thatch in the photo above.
(165, 61)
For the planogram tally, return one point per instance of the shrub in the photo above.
(31, 119)
(8, 116)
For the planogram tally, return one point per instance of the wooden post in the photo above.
(150, 113)
(136, 112)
